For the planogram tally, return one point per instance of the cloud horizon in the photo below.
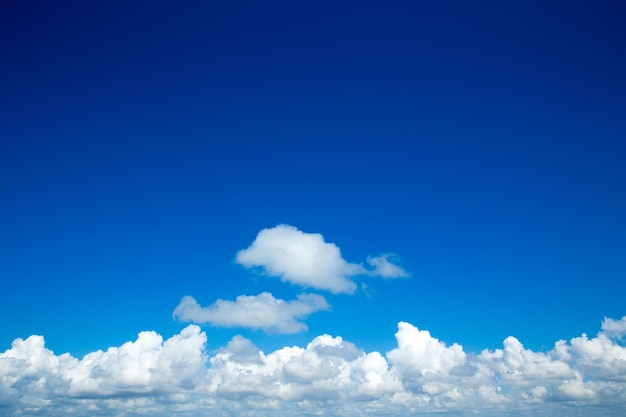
(305, 209)
(420, 375)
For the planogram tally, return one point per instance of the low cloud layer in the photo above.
(261, 311)
(307, 260)
(329, 376)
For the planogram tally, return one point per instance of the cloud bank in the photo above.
(307, 260)
(330, 376)
(261, 311)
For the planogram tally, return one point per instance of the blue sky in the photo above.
(479, 148)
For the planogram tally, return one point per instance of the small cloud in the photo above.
(301, 258)
(366, 290)
(385, 268)
(261, 311)
(614, 328)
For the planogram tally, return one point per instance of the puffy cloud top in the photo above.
(614, 328)
(422, 375)
(300, 258)
(33, 380)
(419, 352)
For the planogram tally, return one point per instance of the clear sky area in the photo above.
(249, 208)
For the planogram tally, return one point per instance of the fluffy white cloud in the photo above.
(33, 380)
(385, 268)
(327, 369)
(261, 311)
(614, 328)
(599, 357)
(329, 376)
(300, 258)
(306, 259)
(420, 354)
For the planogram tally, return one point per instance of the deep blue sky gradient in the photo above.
(144, 143)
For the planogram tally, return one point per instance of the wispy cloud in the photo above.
(261, 311)
(330, 376)
(385, 267)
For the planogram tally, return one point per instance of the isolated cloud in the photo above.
(261, 311)
(306, 259)
(300, 258)
(330, 376)
(385, 268)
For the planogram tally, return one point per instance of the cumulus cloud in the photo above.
(36, 381)
(306, 259)
(385, 268)
(614, 328)
(598, 357)
(261, 311)
(327, 369)
(420, 354)
(329, 376)
(300, 258)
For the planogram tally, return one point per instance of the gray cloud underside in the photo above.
(422, 375)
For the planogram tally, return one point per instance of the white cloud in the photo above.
(261, 311)
(420, 354)
(614, 328)
(327, 369)
(329, 376)
(300, 258)
(383, 267)
(37, 381)
(599, 357)
(306, 259)
(146, 365)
